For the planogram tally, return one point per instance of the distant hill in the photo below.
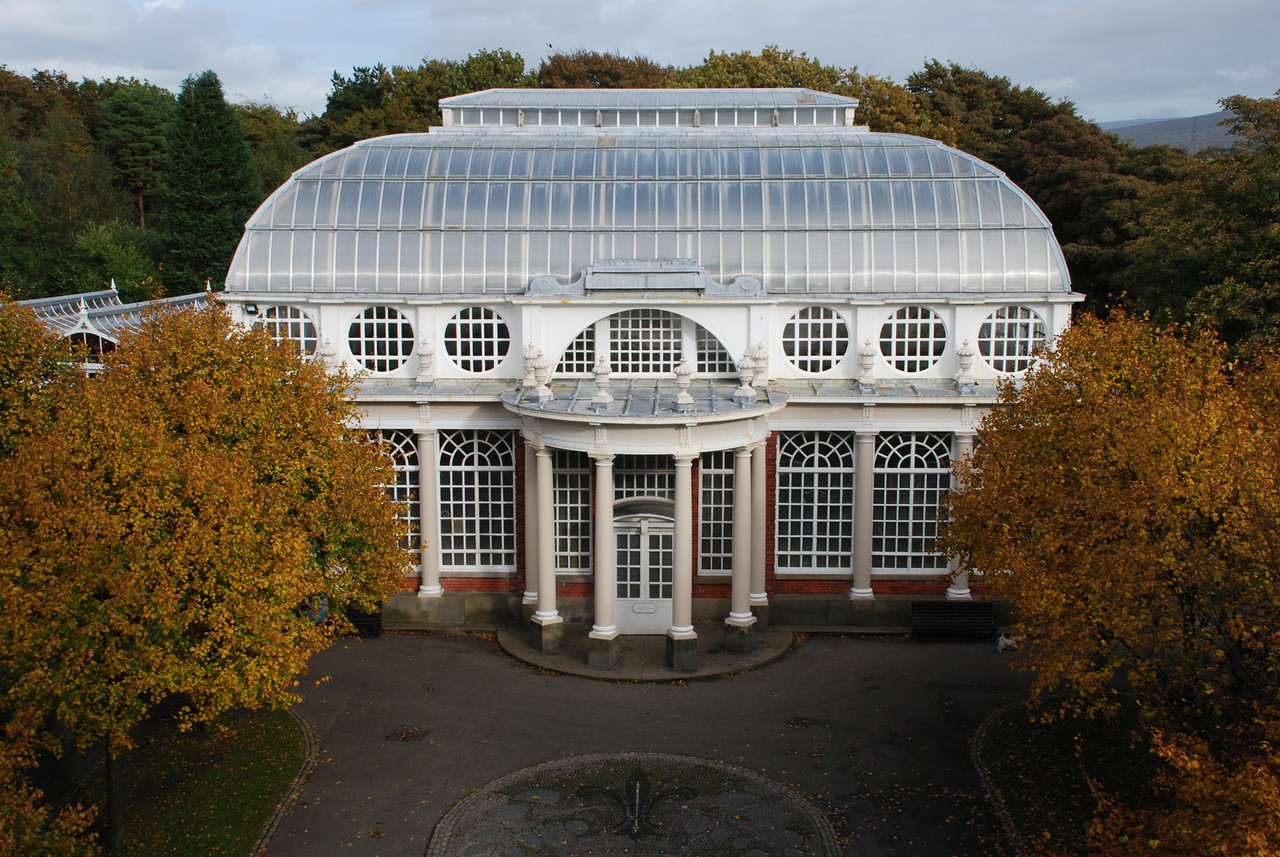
(1190, 133)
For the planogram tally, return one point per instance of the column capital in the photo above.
(601, 458)
(684, 458)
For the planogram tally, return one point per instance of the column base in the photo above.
(740, 638)
(761, 612)
(954, 594)
(546, 635)
(430, 591)
(527, 609)
(604, 654)
(682, 651)
(857, 594)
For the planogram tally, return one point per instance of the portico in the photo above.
(644, 539)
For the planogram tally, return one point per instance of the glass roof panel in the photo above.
(801, 210)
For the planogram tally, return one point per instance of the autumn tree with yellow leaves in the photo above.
(1125, 497)
(163, 533)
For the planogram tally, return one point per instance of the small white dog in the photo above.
(1008, 644)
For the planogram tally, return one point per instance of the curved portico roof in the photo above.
(770, 184)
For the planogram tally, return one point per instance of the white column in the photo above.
(958, 590)
(863, 503)
(530, 523)
(759, 501)
(740, 591)
(429, 514)
(546, 612)
(606, 557)
(682, 556)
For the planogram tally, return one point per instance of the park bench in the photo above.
(953, 618)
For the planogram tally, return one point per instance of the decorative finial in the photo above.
(602, 373)
(746, 374)
(684, 376)
(541, 373)
(867, 360)
(964, 356)
(761, 357)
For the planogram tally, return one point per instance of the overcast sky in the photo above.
(1116, 59)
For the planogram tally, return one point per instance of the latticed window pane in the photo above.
(477, 500)
(715, 516)
(572, 510)
(402, 448)
(661, 555)
(913, 471)
(913, 339)
(580, 357)
(816, 487)
(380, 339)
(643, 476)
(476, 339)
(815, 339)
(644, 342)
(290, 324)
(713, 359)
(1010, 338)
(628, 565)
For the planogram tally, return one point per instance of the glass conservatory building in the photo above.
(651, 357)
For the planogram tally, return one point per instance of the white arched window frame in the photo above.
(815, 501)
(477, 474)
(402, 448)
(646, 342)
(912, 473)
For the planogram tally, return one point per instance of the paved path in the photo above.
(875, 732)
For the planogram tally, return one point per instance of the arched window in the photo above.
(381, 339)
(913, 471)
(646, 342)
(913, 339)
(1010, 337)
(290, 324)
(477, 500)
(402, 447)
(815, 339)
(476, 339)
(815, 501)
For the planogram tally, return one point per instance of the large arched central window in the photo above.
(477, 501)
(646, 342)
(913, 471)
(815, 501)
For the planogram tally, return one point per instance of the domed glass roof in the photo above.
(771, 184)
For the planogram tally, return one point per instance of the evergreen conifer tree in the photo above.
(211, 186)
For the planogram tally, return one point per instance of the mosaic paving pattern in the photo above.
(634, 804)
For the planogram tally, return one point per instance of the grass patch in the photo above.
(1037, 770)
(1040, 766)
(206, 792)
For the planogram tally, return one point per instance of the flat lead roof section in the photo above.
(639, 108)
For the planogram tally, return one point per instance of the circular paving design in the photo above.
(635, 804)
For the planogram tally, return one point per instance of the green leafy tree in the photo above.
(273, 136)
(772, 67)
(1125, 498)
(1206, 243)
(113, 252)
(375, 101)
(132, 127)
(583, 69)
(162, 538)
(16, 222)
(211, 186)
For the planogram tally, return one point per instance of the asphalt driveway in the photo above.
(874, 731)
